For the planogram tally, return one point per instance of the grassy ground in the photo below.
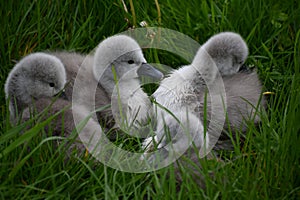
(267, 167)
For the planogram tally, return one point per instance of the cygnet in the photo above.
(125, 57)
(36, 76)
(185, 88)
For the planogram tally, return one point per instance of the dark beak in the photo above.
(62, 94)
(148, 70)
(244, 68)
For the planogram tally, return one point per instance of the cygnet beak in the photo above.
(244, 68)
(148, 70)
(62, 94)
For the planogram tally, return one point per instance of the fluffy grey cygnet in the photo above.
(118, 65)
(185, 88)
(37, 75)
(228, 51)
(31, 86)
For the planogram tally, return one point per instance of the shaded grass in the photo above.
(267, 167)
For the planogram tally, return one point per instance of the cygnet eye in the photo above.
(130, 62)
(51, 84)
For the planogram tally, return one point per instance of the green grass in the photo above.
(267, 167)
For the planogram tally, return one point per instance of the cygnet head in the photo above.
(228, 50)
(122, 53)
(36, 76)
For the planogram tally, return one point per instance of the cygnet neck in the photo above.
(128, 82)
